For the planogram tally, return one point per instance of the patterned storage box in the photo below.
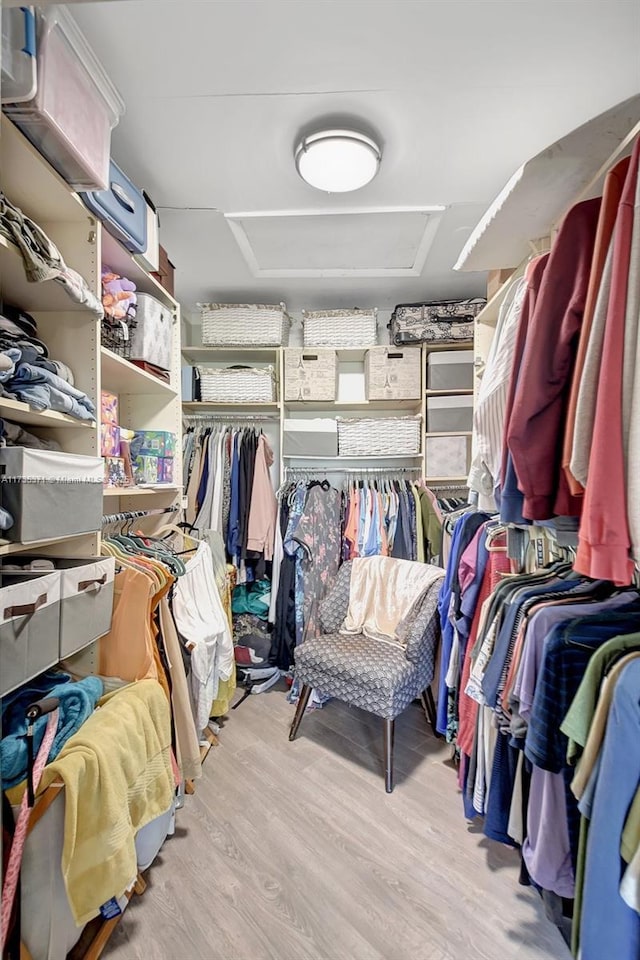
(340, 328)
(145, 469)
(109, 440)
(108, 407)
(310, 374)
(244, 324)
(153, 443)
(448, 457)
(152, 337)
(237, 385)
(114, 472)
(397, 437)
(165, 470)
(393, 373)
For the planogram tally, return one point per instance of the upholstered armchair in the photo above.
(382, 678)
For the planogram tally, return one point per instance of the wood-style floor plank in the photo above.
(293, 851)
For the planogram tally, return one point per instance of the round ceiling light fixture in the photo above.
(337, 161)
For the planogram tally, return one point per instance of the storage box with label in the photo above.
(450, 370)
(393, 373)
(29, 626)
(317, 437)
(50, 494)
(449, 414)
(310, 374)
(447, 457)
(153, 443)
(152, 337)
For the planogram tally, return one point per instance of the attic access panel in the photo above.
(381, 242)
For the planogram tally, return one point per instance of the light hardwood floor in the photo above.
(293, 851)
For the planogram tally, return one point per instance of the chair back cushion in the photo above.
(334, 607)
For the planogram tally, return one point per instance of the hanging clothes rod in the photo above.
(229, 417)
(137, 515)
(352, 471)
(454, 487)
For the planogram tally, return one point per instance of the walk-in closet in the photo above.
(319, 496)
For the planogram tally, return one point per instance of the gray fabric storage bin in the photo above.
(188, 375)
(310, 438)
(86, 598)
(449, 414)
(450, 370)
(152, 335)
(50, 494)
(29, 626)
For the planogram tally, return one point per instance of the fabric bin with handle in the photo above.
(445, 322)
(152, 338)
(310, 374)
(340, 328)
(86, 598)
(447, 457)
(368, 437)
(316, 437)
(449, 414)
(75, 106)
(18, 78)
(122, 208)
(450, 370)
(244, 324)
(237, 384)
(29, 626)
(50, 494)
(393, 374)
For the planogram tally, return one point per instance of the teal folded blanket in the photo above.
(77, 703)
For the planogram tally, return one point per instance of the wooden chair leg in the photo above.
(303, 700)
(389, 726)
(429, 708)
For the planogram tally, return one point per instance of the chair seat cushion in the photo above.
(367, 673)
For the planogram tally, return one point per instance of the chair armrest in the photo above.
(421, 628)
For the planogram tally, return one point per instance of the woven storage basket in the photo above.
(340, 328)
(237, 385)
(397, 436)
(244, 325)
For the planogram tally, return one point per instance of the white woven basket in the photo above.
(397, 436)
(340, 328)
(244, 325)
(226, 385)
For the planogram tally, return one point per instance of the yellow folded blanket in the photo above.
(381, 593)
(117, 776)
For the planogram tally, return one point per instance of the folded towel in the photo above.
(77, 703)
(382, 591)
(118, 777)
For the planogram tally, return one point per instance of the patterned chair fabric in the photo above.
(382, 678)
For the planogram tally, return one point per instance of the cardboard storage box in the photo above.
(317, 437)
(50, 494)
(29, 626)
(449, 414)
(447, 457)
(450, 370)
(153, 443)
(165, 274)
(145, 469)
(109, 440)
(310, 374)
(392, 373)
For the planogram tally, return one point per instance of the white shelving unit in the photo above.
(72, 332)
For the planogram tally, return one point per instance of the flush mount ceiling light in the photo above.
(337, 161)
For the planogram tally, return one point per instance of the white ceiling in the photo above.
(458, 92)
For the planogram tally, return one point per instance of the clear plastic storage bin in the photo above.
(75, 107)
(18, 79)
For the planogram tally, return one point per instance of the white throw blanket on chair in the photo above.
(382, 591)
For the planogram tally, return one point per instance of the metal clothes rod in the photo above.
(229, 418)
(137, 515)
(366, 471)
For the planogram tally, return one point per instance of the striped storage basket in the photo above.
(244, 325)
(340, 328)
(237, 385)
(366, 437)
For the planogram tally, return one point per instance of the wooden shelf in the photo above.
(205, 406)
(32, 297)
(454, 481)
(346, 405)
(439, 346)
(373, 456)
(229, 354)
(21, 412)
(462, 392)
(121, 261)
(7, 547)
(450, 433)
(121, 376)
(140, 491)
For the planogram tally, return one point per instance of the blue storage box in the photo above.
(122, 208)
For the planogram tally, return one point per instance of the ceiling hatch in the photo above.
(379, 242)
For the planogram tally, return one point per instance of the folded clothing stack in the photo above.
(27, 372)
